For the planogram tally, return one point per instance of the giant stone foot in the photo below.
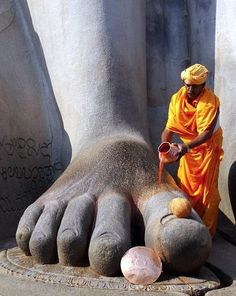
(88, 210)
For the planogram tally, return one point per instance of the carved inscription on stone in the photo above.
(27, 169)
(24, 148)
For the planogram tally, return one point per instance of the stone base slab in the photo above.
(14, 262)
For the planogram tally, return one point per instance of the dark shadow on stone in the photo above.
(232, 186)
(226, 228)
(202, 31)
(7, 244)
(137, 228)
(225, 279)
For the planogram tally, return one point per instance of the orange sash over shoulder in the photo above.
(198, 169)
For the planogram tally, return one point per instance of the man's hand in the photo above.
(183, 149)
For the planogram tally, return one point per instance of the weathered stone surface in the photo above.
(25, 287)
(229, 291)
(14, 262)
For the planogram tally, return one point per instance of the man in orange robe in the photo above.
(194, 116)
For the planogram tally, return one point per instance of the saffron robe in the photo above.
(199, 168)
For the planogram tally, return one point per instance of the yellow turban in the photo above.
(196, 74)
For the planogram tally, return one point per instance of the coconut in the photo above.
(180, 207)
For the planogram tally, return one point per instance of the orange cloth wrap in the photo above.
(198, 169)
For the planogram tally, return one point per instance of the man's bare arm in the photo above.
(166, 135)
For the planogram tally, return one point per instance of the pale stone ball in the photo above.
(141, 266)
